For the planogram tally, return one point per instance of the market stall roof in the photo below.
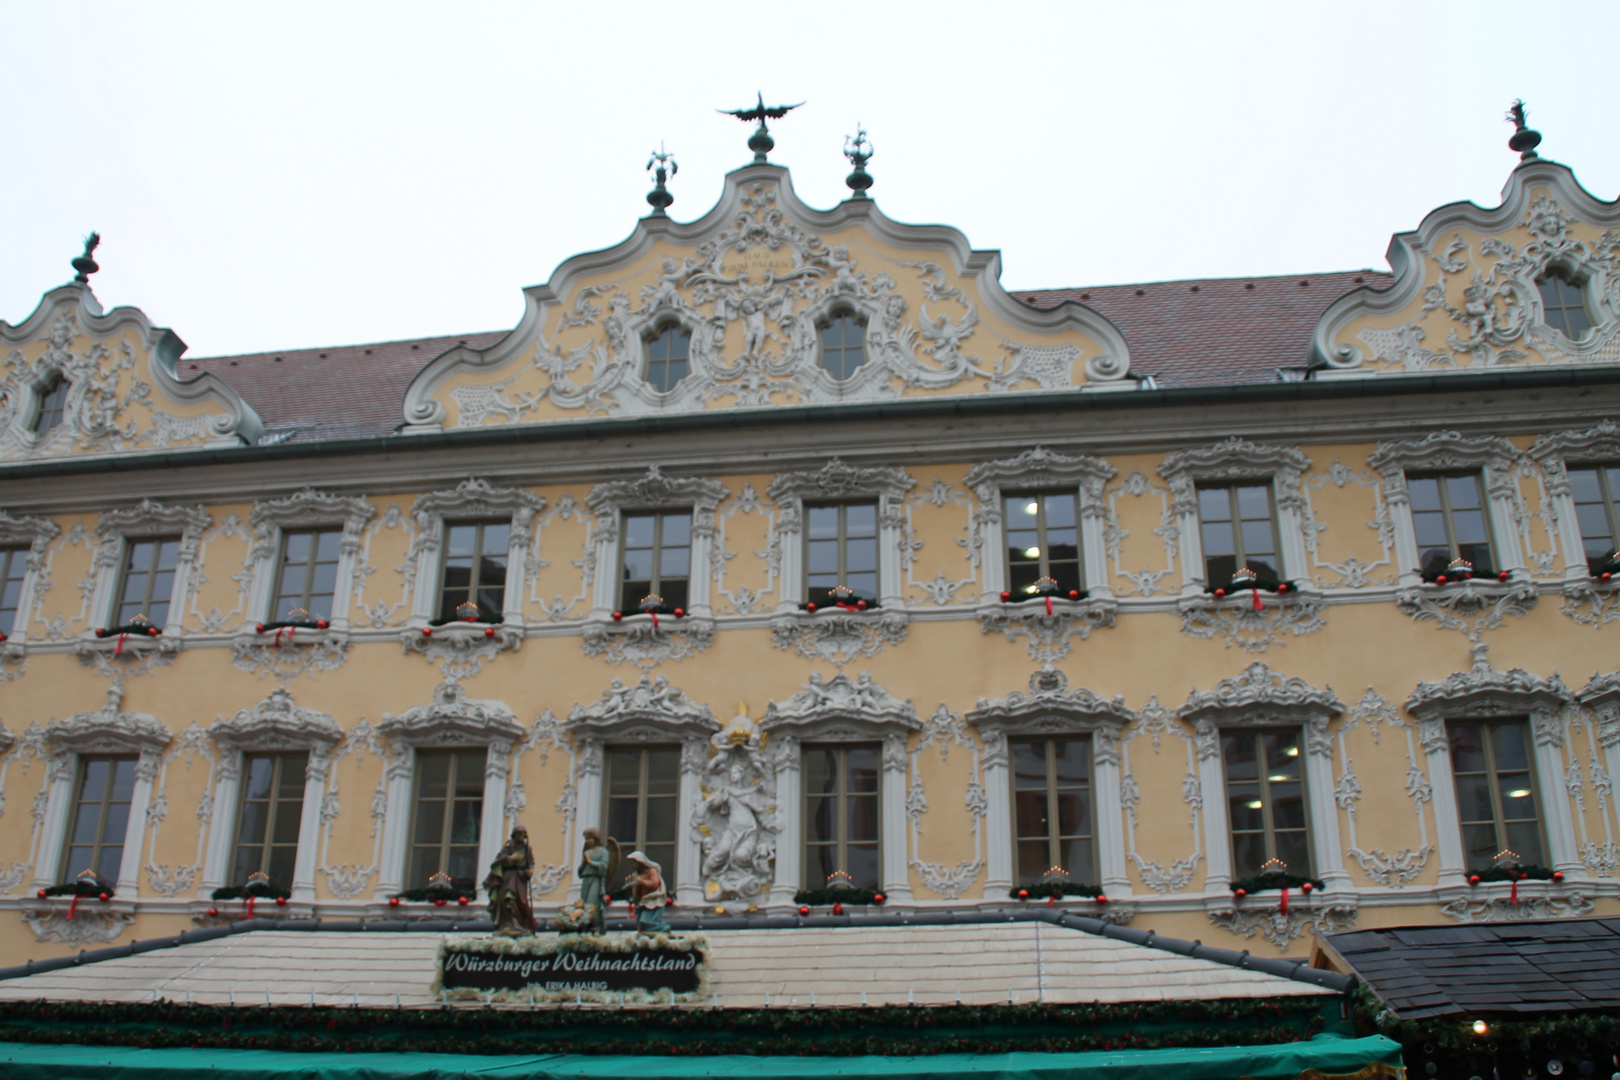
(1530, 966)
(883, 963)
(1326, 1056)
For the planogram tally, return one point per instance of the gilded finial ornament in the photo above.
(84, 264)
(662, 166)
(859, 151)
(760, 142)
(1524, 140)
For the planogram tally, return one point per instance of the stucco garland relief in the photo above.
(1569, 905)
(89, 925)
(1406, 864)
(942, 590)
(943, 729)
(1156, 721)
(382, 614)
(215, 621)
(744, 600)
(190, 744)
(301, 652)
(838, 637)
(1305, 916)
(769, 283)
(1049, 635)
(1146, 580)
(345, 881)
(1499, 320)
(1235, 620)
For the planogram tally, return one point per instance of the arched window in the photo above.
(1562, 305)
(843, 345)
(667, 353)
(52, 401)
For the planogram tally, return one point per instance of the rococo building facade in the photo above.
(790, 547)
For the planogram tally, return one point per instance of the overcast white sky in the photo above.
(287, 175)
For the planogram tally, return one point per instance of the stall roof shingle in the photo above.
(1549, 965)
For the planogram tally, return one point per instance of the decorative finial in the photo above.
(859, 152)
(1523, 139)
(84, 264)
(662, 164)
(760, 142)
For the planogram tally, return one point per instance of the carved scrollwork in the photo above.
(1049, 635)
(1253, 629)
(636, 640)
(108, 730)
(1569, 905)
(1235, 459)
(1261, 697)
(1280, 928)
(461, 649)
(91, 924)
(1485, 691)
(838, 637)
(1472, 608)
(840, 707)
(289, 653)
(649, 711)
(452, 719)
(277, 723)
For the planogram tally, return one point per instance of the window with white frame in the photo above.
(472, 581)
(656, 561)
(1450, 522)
(471, 552)
(145, 560)
(1593, 489)
(269, 818)
(642, 792)
(841, 551)
(842, 816)
(1043, 534)
(1043, 542)
(306, 581)
(146, 582)
(1563, 304)
(843, 344)
(1238, 529)
(840, 528)
(52, 408)
(24, 548)
(1265, 802)
(655, 529)
(1494, 771)
(449, 808)
(13, 572)
(668, 357)
(303, 557)
(103, 790)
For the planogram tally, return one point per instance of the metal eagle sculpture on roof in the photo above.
(760, 142)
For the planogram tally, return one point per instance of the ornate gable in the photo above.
(121, 390)
(1465, 294)
(751, 284)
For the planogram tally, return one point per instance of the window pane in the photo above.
(1029, 764)
(1071, 762)
(1524, 840)
(1287, 806)
(863, 768)
(1424, 492)
(1508, 742)
(1239, 753)
(1294, 850)
(1214, 504)
(661, 814)
(1518, 800)
(286, 830)
(1254, 502)
(863, 866)
(117, 821)
(624, 772)
(1474, 799)
(464, 824)
(1248, 854)
(621, 820)
(820, 770)
(675, 562)
(821, 819)
(259, 772)
(1076, 861)
(1245, 808)
(469, 773)
(1074, 813)
(663, 771)
(1467, 747)
(821, 522)
(862, 816)
(462, 540)
(1257, 540)
(497, 537)
(1034, 859)
(1030, 812)
(108, 863)
(254, 817)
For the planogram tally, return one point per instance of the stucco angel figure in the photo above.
(508, 886)
(737, 851)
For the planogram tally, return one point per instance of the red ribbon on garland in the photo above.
(74, 906)
(1283, 907)
(1513, 895)
(251, 899)
(654, 615)
(280, 630)
(1259, 607)
(1048, 607)
(118, 650)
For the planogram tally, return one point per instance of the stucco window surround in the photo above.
(451, 721)
(1042, 470)
(1601, 694)
(1051, 710)
(1488, 456)
(107, 731)
(35, 534)
(840, 710)
(652, 491)
(838, 482)
(649, 713)
(1238, 459)
(1261, 699)
(1485, 693)
(306, 509)
(114, 532)
(275, 725)
(1555, 453)
(471, 500)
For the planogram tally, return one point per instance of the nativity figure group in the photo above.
(508, 888)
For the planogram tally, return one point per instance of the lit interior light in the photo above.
(1032, 553)
(1256, 805)
(1292, 751)
(1277, 779)
(1033, 508)
(1519, 793)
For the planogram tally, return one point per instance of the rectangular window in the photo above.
(841, 815)
(449, 807)
(1448, 515)
(1496, 792)
(1043, 541)
(1265, 798)
(475, 569)
(1594, 487)
(100, 817)
(268, 819)
(147, 583)
(1238, 529)
(643, 789)
(1052, 811)
(841, 549)
(657, 560)
(13, 567)
(308, 575)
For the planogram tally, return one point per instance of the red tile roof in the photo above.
(1183, 333)
(1215, 330)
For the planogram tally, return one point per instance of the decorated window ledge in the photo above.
(461, 648)
(839, 633)
(133, 640)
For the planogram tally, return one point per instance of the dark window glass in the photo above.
(1496, 791)
(1594, 487)
(843, 346)
(1052, 811)
(657, 559)
(52, 402)
(841, 814)
(666, 358)
(1238, 530)
(643, 786)
(841, 549)
(13, 568)
(100, 817)
(1562, 305)
(1043, 540)
(267, 822)
(148, 581)
(449, 808)
(307, 577)
(475, 569)
(1448, 515)
(1265, 798)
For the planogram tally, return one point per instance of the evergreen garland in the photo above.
(1510, 873)
(890, 1029)
(263, 890)
(1059, 889)
(84, 886)
(447, 893)
(1450, 1044)
(829, 897)
(1276, 879)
